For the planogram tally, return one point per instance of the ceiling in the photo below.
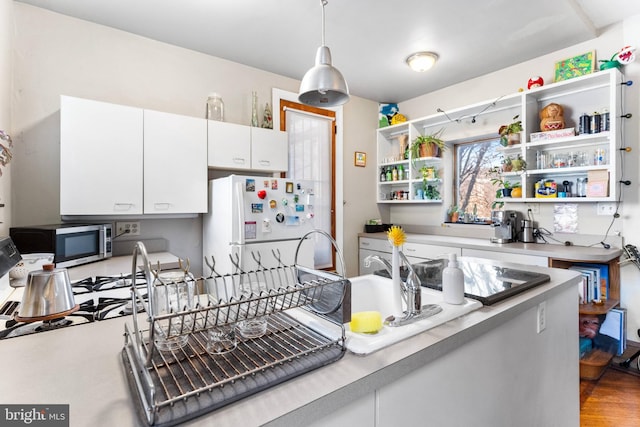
(369, 40)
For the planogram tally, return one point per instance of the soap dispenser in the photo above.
(453, 282)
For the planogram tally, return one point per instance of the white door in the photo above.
(175, 163)
(100, 158)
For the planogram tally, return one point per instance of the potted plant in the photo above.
(510, 134)
(428, 145)
(507, 165)
(505, 187)
(519, 164)
(450, 212)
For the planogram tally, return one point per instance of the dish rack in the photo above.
(175, 385)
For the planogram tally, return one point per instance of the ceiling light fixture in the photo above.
(421, 61)
(323, 85)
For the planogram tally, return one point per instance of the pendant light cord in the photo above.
(324, 3)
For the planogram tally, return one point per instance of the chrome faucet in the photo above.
(410, 292)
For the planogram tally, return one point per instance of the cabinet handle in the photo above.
(122, 206)
(161, 206)
(409, 250)
(238, 160)
(365, 243)
(265, 162)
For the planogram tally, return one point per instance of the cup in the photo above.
(221, 339)
(172, 295)
(253, 328)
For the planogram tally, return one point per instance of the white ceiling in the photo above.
(369, 39)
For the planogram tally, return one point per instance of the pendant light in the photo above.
(323, 85)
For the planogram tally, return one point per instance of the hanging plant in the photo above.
(5, 146)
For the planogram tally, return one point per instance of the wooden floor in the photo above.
(613, 400)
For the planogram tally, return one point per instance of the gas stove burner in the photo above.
(83, 286)
(49, 325)
(107, 307)
(122, 281)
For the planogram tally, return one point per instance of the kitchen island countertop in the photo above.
(573, 252)
(81, 366)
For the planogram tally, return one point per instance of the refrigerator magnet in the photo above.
(256, 207)
(274, 184)
(299, 208)
(279, 217)
(262, 194)
(266, 225)
(285, 202)
(273, 204)
(250, 185)
(250, 229)
(292, 220)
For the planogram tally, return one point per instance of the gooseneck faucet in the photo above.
(410, 291)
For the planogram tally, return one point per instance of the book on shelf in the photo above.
(614, 326)
(603, 271)
(588, 290)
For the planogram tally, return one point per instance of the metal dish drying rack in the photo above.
(175, 385)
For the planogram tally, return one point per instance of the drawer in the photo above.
(424, 251)
(380, 245)
(507, 257)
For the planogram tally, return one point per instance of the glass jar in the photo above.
(215, 108)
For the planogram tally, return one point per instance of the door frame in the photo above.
(277, 95)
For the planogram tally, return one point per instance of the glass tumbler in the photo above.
(221, 339)
(172, 295)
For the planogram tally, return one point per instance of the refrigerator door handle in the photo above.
(238, 197)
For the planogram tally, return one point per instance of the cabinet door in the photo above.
(100, 158)
(175, 165)
(269, 150)
(229, 145)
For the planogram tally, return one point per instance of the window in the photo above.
(474, 192)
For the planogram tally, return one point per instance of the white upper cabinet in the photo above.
(239, 147)
(229, 145)
(175, 163)
(120, 160)
(100, 158)
(269, 150)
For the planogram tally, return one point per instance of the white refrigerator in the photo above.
(255, 219)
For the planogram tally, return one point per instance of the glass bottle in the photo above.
(254, 109)
(215, 107)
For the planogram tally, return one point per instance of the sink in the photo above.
(374, 293)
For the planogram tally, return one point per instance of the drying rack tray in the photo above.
(186, 383)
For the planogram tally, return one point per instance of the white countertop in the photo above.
(81, 366)
(575, 253)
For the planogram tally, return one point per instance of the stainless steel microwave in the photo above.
(71, 244)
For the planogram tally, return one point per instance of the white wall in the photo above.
(6, 36)
(55, 55)
(509, 80)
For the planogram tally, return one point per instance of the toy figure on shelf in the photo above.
(552, 117)
(267, 120)
(624, 56)
(536, 81)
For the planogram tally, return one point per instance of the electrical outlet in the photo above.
(606, 208)
(541, 317)
(535, 208)
(132, 227)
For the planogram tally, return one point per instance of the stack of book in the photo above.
(595, 282)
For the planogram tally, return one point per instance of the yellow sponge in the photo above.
(368, 322)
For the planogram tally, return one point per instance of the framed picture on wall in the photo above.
(576, 66)
(360, 159)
